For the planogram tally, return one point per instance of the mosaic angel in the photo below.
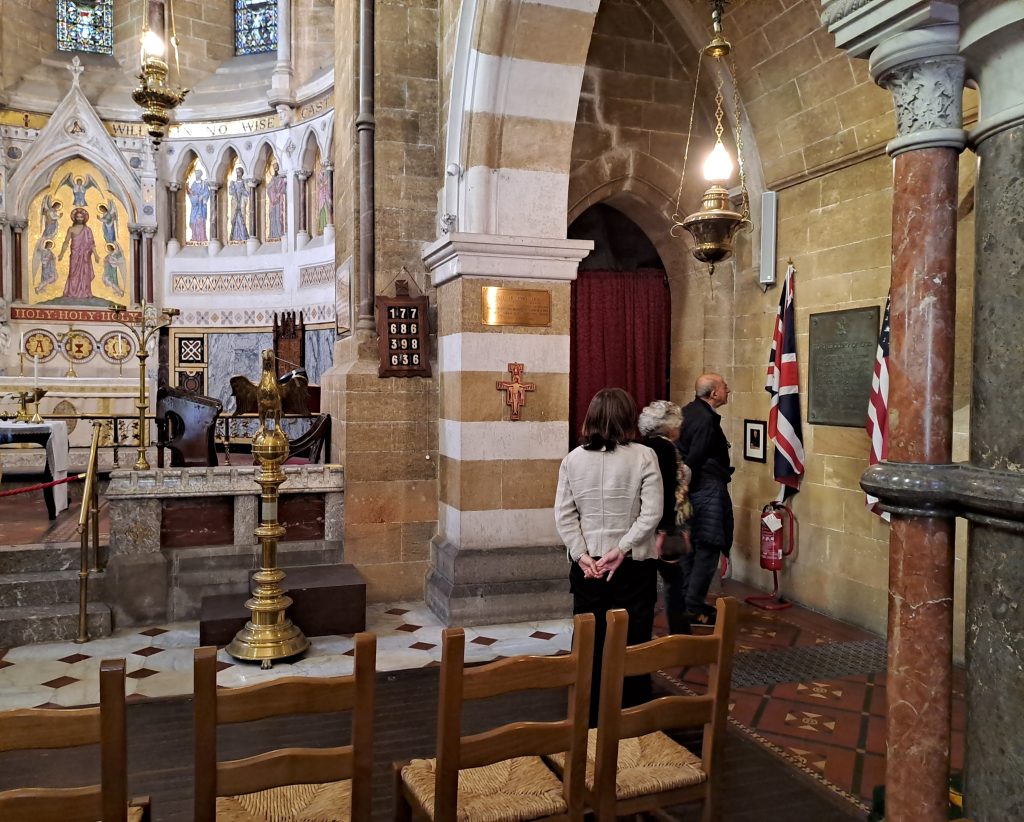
(44, 266)
(79, 186)
(108, 217)
(50, 214)
(114, 268)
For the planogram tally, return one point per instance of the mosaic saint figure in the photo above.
(108, 217)
(114, 268)
(277, 198)
(50, 212)
(199, 202)
(83, 252)
(239, 193)
(323, 198)
(79, 186)
(44, 266)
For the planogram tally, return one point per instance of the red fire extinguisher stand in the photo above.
(776, 543)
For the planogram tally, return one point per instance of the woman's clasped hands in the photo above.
(604, 567)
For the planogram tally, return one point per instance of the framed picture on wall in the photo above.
(755, 440)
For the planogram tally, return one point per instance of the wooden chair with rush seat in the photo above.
(292, 783)
(632, 766)
(499, 774)
(44, 728)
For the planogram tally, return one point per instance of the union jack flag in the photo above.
(878, 407)
(783, 384)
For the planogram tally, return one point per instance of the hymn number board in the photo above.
(402, 336)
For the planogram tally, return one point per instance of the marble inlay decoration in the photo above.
(312, 275)
(261, 281)
(191, 350)
(249, 318)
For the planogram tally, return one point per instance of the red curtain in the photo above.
(620, 326)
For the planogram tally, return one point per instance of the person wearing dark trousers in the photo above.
(705, 450)
(607, 509)
(659, 425)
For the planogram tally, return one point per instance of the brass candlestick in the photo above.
(150, 322)
(269, 635)
(67, 343)
(23, 415)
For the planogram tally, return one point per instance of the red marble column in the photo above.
(137, 294)
(17, 260)
(920, 630)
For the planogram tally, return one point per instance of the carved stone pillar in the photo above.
(252, 244)
(148, 233)
(329, 226)
(173, 244)
(18, 259)
(925, 74)
(992, 42)
(302, 207)
(135, 231)
(281, 81)
(214, 245)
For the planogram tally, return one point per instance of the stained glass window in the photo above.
(85, 25)
(255, 26)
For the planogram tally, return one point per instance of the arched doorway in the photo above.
(621, 314)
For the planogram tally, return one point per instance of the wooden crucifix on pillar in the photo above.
(515, 390)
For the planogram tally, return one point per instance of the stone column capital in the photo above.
(303, 175)
(859, 26)
(925, 73)
(19, 224)
(173, 187)
(148, 230)
(213, 186)
(251, 182)
(498, 256)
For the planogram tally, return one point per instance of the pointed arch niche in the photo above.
(621, 314)
(197, 204)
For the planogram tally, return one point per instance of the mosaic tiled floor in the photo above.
(159, 659)
(812, 691)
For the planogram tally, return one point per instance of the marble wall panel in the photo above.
(319, 352)
(232, 354)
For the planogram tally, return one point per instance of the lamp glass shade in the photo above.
(152, 44)
(718, 166)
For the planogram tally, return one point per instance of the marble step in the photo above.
(43, 588)
(36, 559)
(50, 623)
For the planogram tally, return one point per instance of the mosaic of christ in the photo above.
(78, 243)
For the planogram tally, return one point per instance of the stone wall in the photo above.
(29, 34)
(312, 39)
(206, 35)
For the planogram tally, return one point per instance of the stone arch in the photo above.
(515, 90)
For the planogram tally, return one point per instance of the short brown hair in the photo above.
(610, 421)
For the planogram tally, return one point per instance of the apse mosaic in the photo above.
(78, 240)
(238, 204)
(276, 187)
(85, 25)
(255, 26)
(197, 192)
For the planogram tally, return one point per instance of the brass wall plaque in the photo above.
(841, 362)
(515, 306)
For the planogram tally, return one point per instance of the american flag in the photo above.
(783, 383)
(878, 407)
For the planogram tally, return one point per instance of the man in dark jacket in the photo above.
(705, 450)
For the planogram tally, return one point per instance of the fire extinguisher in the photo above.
(778, 540)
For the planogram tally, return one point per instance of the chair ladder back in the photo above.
(113, 741)
(281, 697)
(284, 766)
(29, 728)
(362, 726)
(575, 774)
(609, 718)
(52, 804)
(449, 724)
(671, 652)
(519, 673)
(204, 707)
(719, 680)
(666, 712)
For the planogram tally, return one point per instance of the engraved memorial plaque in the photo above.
(841, 361)
(515, 306)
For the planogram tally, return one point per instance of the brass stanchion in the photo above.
(269, 635)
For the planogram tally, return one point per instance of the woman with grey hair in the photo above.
(659, 426)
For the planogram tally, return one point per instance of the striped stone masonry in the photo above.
(497, 554)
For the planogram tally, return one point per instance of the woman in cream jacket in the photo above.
(607, 509)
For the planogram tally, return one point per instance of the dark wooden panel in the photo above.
(194, 521)
(303, 515)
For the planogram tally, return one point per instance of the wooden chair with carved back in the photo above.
(499, 774)
(46, 728)
(290, 783)
(632, 765)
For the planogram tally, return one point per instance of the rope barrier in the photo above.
(41, 485)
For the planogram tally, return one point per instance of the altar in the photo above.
(69, 397)
(53, 437)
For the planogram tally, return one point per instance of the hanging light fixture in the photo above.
(714, 224)
(153, 94)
